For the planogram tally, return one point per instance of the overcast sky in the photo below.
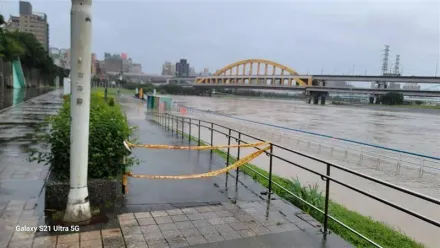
(310, 36)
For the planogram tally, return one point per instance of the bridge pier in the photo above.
(316, 97)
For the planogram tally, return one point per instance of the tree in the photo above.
(392, 98)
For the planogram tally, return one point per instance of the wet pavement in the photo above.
(10, 97)
(21, 181)
(160, 213)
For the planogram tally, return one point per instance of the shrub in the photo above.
(392, 98)
(111, 102)
(108, 129)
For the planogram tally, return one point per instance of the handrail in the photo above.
(324, 176)
(322, 135)
(358, 145)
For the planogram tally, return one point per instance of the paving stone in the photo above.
(141, 215)
(190, 232)
(146, 221)
(28, 214)
(94, 243)
(23, 243)
(216, 208)
(230, 220)
(130, 230)
(177, 242)
(142, 244)
(163, 220)
(203, 209)
(160, 213)
(200, 223)
(261, 230)
(68, 238)
(224, 213)
(190, 211)
(244, 217)
(178, 218)
(126, 216)
(195, 216)
(162, 243)
(30, 204)
(172, 234)
(195, 240)
(28, 223)
(150, 228)
(174, 212)
(184, 224)
(167, 227)
(68, 245)
(47, 241)
(290, 227)
(128, 222)
(113, 242)
(252, 224)
(18, 235)
(230, 235)
(136, 238)
(153, 236)
(213, 237)
(216, 221)
(276, 228)
(229, 206)
(207, 230)
(223, 228)
(85, 236)
(246, 233)
(108, 233)
(238, 226)
(209, 215)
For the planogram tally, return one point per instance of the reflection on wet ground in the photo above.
(9, 97)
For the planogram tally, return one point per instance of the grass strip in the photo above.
(380, 232)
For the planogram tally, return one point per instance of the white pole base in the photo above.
(78, 208)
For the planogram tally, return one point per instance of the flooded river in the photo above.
(416, 131)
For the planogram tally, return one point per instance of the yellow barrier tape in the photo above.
(235, 165)
(130, 145)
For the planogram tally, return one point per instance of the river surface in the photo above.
(413, 131)
(416, 131)
(9, 97)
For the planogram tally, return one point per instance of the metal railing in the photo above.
(171, 122)
(381, 155)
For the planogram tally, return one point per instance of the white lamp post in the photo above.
(78, 206)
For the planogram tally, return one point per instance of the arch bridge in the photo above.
(256, 72)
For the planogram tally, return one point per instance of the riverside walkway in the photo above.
(156, 213)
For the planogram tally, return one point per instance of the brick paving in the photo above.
(165, 228)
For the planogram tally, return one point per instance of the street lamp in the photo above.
(78, 206)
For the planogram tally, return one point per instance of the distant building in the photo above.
(136, 68)
(394, 86)
(411, 87)
(205, 72)
(192, 72)
(182, 68)
(30, 22)
(113, 62)
(166, 69)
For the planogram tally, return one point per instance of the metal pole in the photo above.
(270, 174)
(189, 136)
(238, 158)
(172, 124)
(78, 205)
(177, 126)
(212, 135)
(227, 159)
(183, 125)
(327, 196)
(199, 133)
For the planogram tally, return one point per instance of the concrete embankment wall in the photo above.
(419, 230)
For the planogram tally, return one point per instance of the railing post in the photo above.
(212, 135)
(189, 136)
(238, 158)
(200, 126)
(172, 124)
(269, 195)
(227, 159)
(177, 126)
(327, 196)
(183, 125)
(421, 166)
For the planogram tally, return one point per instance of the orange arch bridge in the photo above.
(256, 72)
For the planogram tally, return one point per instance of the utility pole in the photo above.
(78, 206)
